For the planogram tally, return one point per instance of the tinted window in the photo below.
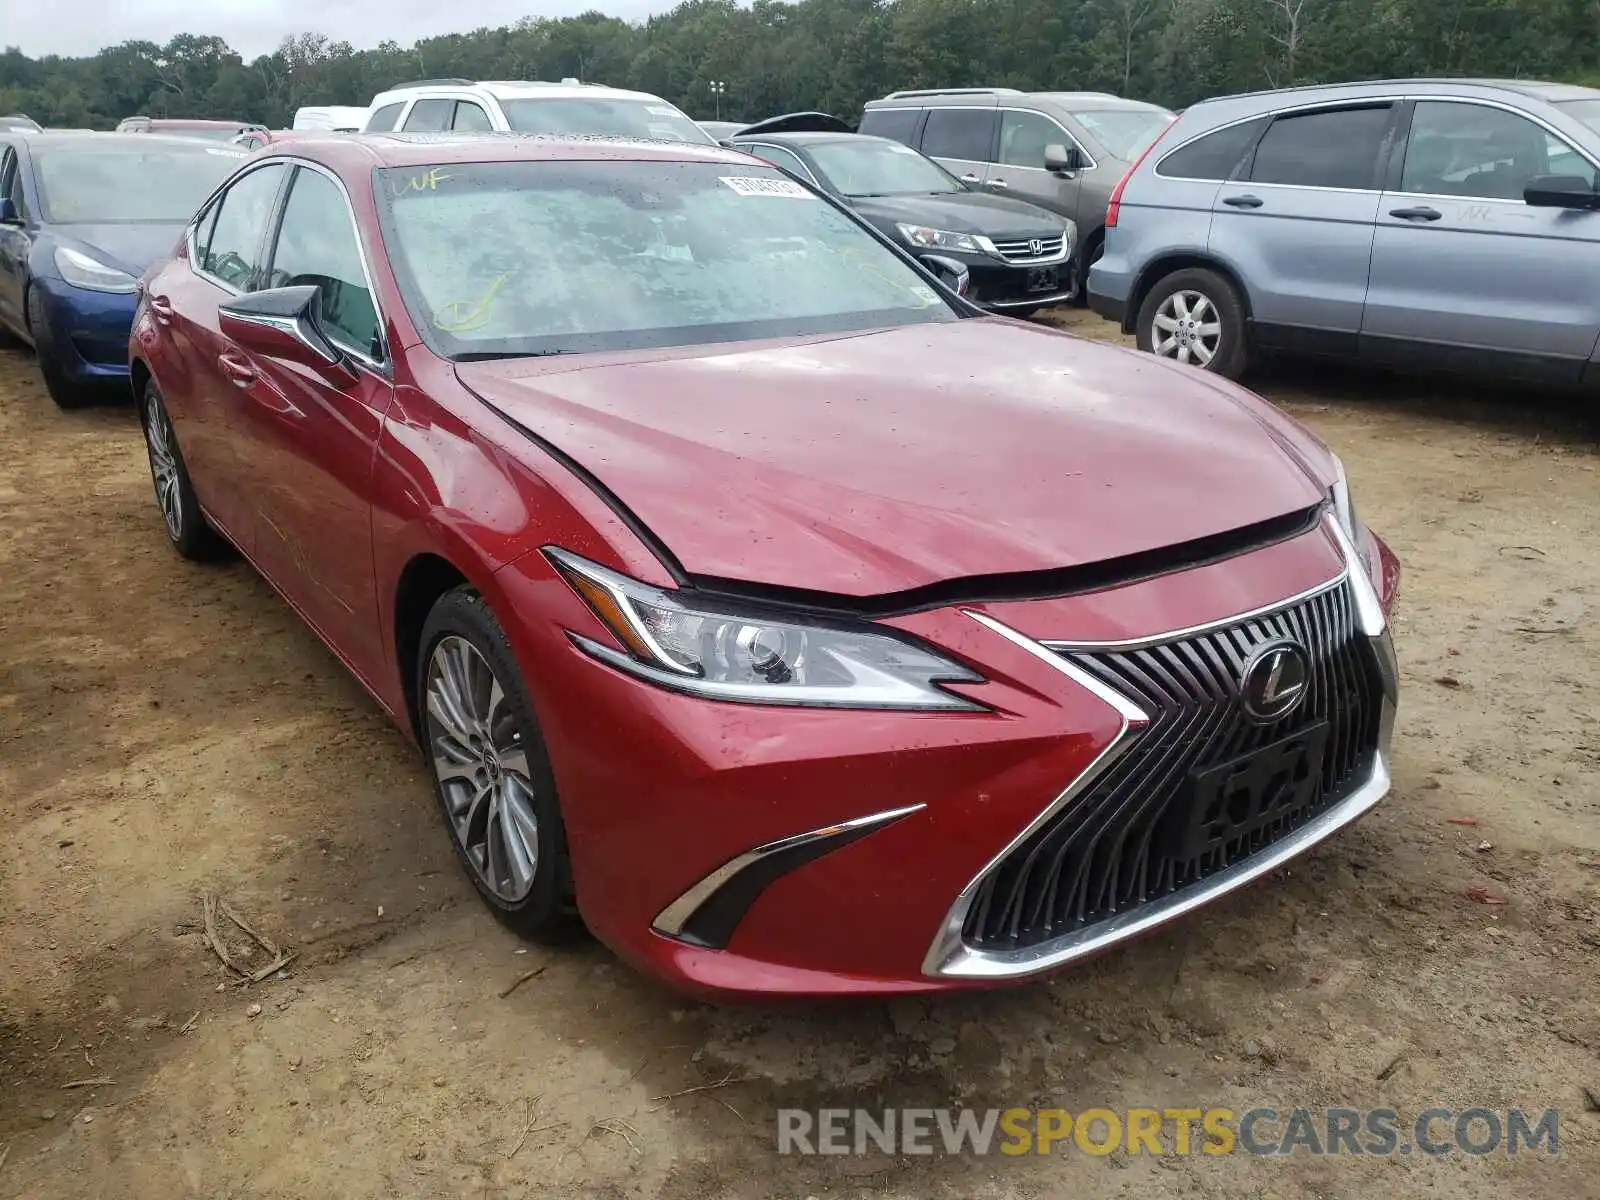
(786, 160)
(1475, 150)
(317, 246)
(383, 120)
(471, 116)
(1213, 156)
(233, 252)
(897, 123)
(155, 181)
(1337, 149)
(614, 255)
(1023, 137)
(959, 133)
(430, 115)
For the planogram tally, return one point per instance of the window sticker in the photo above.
(746, 185)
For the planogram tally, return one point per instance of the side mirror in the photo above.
(1560, 191)
(8, 212)
(1061, 158)
(954, 275)
(280, 323)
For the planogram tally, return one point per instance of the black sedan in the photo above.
(1017, 254)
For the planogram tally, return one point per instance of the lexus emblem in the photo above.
(1274, 681)
(1035, 247)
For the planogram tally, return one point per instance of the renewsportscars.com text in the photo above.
(1161, 1131)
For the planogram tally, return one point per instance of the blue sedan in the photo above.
(81, 217)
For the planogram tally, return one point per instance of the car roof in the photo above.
(429, 149)
(1532, 88)
(513, 89)
(78, 139)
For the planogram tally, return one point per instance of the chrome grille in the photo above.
(1131, 837)
(1023, 251)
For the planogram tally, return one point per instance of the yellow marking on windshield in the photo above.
(473, 314)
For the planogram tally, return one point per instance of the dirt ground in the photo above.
(168, 731)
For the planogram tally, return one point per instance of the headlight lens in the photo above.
(82, 271)
(707, 651)
(924, 238)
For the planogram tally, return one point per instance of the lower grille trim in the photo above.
(959, 961)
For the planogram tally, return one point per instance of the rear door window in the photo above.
(897, 123)
(1214, 155)
(429, 116)
(966, 133)
(1330, 148)
(383, 120)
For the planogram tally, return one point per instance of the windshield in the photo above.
(96, 185)
(526, 258)
(859, 167)
(1124, 132)
(1587, 111)
(603, 116)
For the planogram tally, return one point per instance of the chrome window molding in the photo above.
(378, 366)
(672, 919)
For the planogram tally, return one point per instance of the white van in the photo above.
(568, 107)
(341, 118)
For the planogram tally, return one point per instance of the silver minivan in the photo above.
(1429, 223)
(1063, 151)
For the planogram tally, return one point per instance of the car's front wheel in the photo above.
(1195, 316)
(63, 390)
(187, 528)
(490, 770)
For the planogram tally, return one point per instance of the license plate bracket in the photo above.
(1044, 279)
(1238, 799)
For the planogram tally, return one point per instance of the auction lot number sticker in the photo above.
(747, 185)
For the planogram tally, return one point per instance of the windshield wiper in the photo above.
(495, 355)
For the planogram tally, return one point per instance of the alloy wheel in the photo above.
(1188, 328)
(479, 760)
(159, 441)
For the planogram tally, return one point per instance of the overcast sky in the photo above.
(255, 27)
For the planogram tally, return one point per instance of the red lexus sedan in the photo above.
(810, 630)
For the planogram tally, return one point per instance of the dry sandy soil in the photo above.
(168, 731)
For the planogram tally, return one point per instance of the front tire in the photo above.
(491, 774)
(63, 391)
(188, 530)
(1195, 316)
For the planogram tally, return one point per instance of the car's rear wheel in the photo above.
(187, 528)
(1195, 316)
(490, 770)
(63, 391)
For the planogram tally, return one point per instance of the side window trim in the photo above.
(1090, 162)
(363, 355)
(1244, 173)
(221, 199)
(1395, 167)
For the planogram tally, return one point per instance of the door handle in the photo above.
(1422, 213)
(969, 178)
(161, 309)
(1001, 184)
(1243, 201)
(236, 369)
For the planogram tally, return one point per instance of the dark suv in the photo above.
(1064, 151)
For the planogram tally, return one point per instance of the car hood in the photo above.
(130, 248)
(875, 463)
(998, 217)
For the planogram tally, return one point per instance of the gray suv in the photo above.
(1429, 223)
(1064, 151)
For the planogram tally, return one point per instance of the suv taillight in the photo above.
(1114, 205)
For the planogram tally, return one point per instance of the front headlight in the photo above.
(708, 650)
(82, 271)
(924, 238)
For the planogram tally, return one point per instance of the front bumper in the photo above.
(1002, 287)
(88, 331)
(850, 842)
